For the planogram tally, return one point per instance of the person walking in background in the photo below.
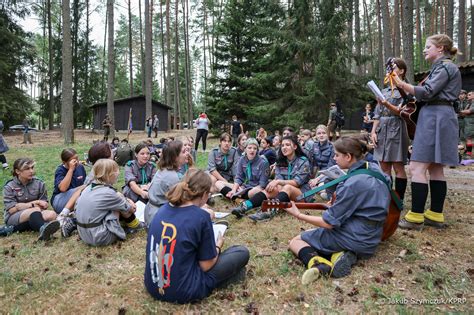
(468, 114)
(26, 131)
(202, 123)
(156, 124)
(106, 124)
(3, 148)
(149, 126)
(332, 120)
(236, 129)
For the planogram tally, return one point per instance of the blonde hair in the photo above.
(103, 171)
(184, 139)
(323, 127)
(194, 185)
(445, 41)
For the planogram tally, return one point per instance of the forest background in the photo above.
(272, 63)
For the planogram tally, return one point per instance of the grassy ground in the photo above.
(411, 273)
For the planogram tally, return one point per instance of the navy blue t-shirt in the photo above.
(178, 238)
(78, 178)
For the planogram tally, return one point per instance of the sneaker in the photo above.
(435, 224)
(406, 225)
(47, 230)
(310, 275)
(67, 227)
(6, 230)
(211, 202)
(342, 263)
(261, 216)
(240, 210)
(129, 230)
(5, 166)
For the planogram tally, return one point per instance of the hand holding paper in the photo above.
(375, 89)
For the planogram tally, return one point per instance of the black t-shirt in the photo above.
(236, 127)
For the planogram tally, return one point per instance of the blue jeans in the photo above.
(230, 266)
(61, 199)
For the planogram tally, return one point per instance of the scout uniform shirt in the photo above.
(140, 175)
(252, 173)
(225, 164)
(298, 170)
(15, 192)
(323, 155)
(97, 223)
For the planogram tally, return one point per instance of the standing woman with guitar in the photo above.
(389, 132)
(436, 136)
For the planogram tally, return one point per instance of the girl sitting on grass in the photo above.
(100, 207)
(138, 174)
(26, 201)
(173, 157)
(69, 176)
(352, 227)
(183, 261)
(252, 176)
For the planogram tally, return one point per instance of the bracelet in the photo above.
(298, 216)
(219, 250)
(32, 205)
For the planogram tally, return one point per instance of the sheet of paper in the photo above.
(219, 229)
(220, 215)
(332, 172)
(375, 89)
(140, 212)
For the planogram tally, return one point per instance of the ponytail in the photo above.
(194, 185)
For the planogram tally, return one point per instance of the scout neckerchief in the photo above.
(248, 172)
(290, 167)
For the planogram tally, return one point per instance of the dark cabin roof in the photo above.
(127, 99)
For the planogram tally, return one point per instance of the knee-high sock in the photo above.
(225, 190)
(400, 186)
(283, 196)
(438, 190)
(306, 253)
(36, 221)
(419, 193)
(258, 199)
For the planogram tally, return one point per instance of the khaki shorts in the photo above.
(333, 127)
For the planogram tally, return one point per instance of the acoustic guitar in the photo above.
(410, 107)
(389, 227)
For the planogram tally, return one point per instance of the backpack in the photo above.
(340, 120)
(124, 154)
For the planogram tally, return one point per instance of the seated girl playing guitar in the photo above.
(352, 226)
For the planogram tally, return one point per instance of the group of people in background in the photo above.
(184, 259)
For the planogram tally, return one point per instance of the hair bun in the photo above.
(453, 51)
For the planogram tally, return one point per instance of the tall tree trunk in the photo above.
(204, 27)
(50, 70)
(148, 60)
(419, 37)
(350, 32)
(380, 67)
(177, 94)
(369, 32)
(168, 57)
(442, 24)
(450, 18)
(102, 94)
(396, 28)
(67, 116)
(358, 47)
(130, 55)
(75, 61)
(462, 40)
(189, 93)
(86, 75)
(163, 61)
(111, 66)
(408, 37)
(472, 33)
(387, 30)
(142, 51)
